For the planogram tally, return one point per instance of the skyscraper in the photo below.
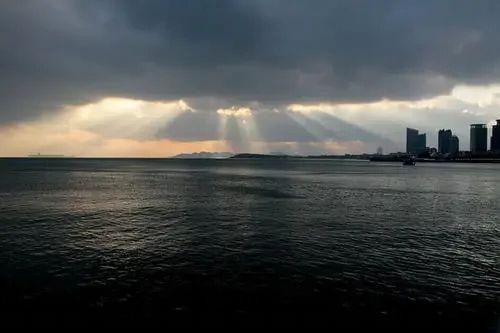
(422, 143)
(444, 140)
(415, 142)
(478, 138)
(495, 137)
(454, 145)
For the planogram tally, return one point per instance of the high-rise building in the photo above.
(447, 142)
(415, 142)
(495, 137)
(454, 145)
(422, 143)
(478, 138)
(411, 140)
(444, 140)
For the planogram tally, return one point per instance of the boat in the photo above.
(38, 155)
(409, 161)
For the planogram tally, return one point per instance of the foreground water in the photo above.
(232, 242)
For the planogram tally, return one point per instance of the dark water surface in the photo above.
(247, 242)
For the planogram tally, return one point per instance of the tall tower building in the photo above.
(495, 137)
(444, 140)
(422, 142)
(415, 142)
(454, 145)
(478, 138)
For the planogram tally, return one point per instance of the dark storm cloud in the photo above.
(271, 51)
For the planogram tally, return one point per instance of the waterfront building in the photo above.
(478, 138)
(444, 141)
(454, 145)
(495, 137)
(415, 142)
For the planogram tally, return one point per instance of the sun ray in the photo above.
(238, 127)
(312, 126)
(327, 127)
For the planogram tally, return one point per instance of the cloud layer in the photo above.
(233, 59)
(60, 52)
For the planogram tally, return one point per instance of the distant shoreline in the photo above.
(364, 157)
(459, 161)
(249, 156)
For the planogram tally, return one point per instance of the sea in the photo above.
(240, 243)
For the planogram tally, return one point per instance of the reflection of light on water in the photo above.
(122, 215)
(158, 228)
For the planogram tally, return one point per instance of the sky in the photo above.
(162, 77)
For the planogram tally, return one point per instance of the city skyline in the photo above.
(481, 139)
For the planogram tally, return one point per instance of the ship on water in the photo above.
(38, 155)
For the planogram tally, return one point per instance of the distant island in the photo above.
(249, 155)
(204, 154)
(272, 155)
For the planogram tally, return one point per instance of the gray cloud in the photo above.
(271, 51)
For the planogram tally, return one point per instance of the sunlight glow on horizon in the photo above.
(118, 126)
(239, 112)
